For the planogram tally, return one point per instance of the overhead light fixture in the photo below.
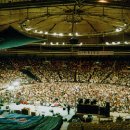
(51, 43)
(46, 33)
(103, 1)
(63, 43)
(44, 43)
(28, 29)
(70, 34)
(107, 43)
(57, 43)
(40, 32)
(126, 42)
(81, 44)
(35, 31)
(28, 20)
(76, 34)
(61, 34)
(118, 43)
(118, 29)
(54, 34)
(113, 43)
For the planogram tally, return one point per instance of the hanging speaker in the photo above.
(74, 40)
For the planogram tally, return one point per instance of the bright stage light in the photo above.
(11, 87)
(16, 83)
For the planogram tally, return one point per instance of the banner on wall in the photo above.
(95, 53)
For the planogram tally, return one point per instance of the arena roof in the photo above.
(91, 22)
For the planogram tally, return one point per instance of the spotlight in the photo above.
(61, 34)
(57, 43)
(113, 43)
(35, 31)
(40, 32)
(118, 29)
(70, 34)
(103, 1)
(107, 43)
(76, 34)
(46, 33)
(126, 42)
(44, 43)
(81, 44)
(54, 34)
(16, 83)
(118, 43)
(51, 43)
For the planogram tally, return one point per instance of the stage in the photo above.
(51, 110)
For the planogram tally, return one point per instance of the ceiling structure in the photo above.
(90, 22)
(75, 20)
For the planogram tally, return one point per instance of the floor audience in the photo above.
(65, 81)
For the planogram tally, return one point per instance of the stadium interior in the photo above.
(64, 64)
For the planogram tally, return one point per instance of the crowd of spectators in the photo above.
(65, 81)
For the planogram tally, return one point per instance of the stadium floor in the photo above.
(47, 110)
